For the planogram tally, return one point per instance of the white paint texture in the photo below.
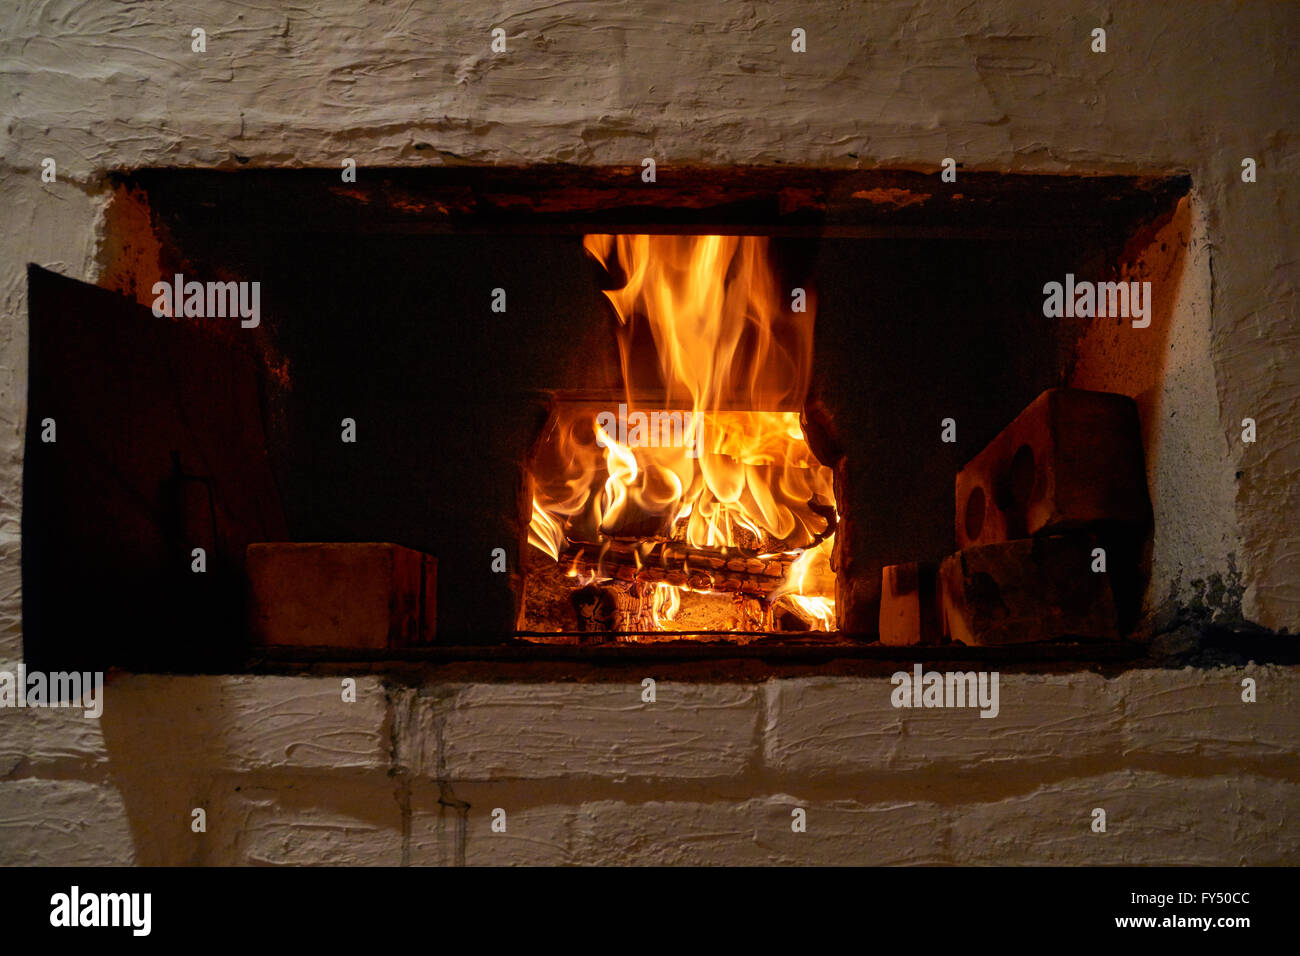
(587, 774)
(697, 732)
(63, 823)
(1169, 370)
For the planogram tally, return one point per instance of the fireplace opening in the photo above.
(693, 505)
(509, 408)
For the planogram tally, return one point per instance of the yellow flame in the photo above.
(810, 575)
(733, 362)
(545, 533)
(665, 604)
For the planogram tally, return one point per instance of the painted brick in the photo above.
(530, 731)
(826, 727)
(40, 740)
(418, 719)
(63, 823)
(1151, 818)
(246, 723)
(11, 605)
(678, 832)
(757, 832)
(1200, 713)
(536, 834)
(304, 822)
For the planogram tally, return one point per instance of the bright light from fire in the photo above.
(719, 462)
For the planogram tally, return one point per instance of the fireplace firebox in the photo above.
(719, 409)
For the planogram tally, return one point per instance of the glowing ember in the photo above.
(719, 463)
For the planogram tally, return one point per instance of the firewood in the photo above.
(671, 562)
(602, 609)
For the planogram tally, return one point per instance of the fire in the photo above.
(810, 568)
(545, 533)
(718, 462)
(667, 602)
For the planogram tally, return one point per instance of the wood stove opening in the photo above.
(726, 408)
(691, 504)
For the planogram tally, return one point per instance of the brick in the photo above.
(1151, 818)
(308, 822)
(667, 831)
(50, 740)
(1199, 715)
(846, 728)
(909, 604)
(1019, 592)
(11, 604)
(538, 833)
(535, 731)
(757, 832)
(359, 595)
(246, 723)
(63, 823)
(1071, 459)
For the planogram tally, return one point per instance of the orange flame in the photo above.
(703, 326)
(802, 589)
(667, 601)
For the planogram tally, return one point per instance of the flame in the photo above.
(545, 532)
(721, 461)
(665, 604)
(802, 586)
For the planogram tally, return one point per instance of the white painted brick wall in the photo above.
(1200, 714)
(526, 731)
(248, 723)
(707, 775)
(588, 774)
(52, 741)
(758, 832)
(303, 821)
(819, 726)
(63, 823)
(1151, 819)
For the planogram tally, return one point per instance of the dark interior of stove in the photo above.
(376, 307)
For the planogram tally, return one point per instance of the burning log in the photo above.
(601, 609)
(612, 490)
(669, 562)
